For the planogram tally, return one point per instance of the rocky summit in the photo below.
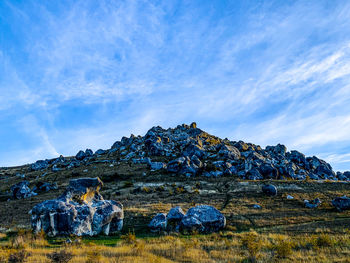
(190, 151)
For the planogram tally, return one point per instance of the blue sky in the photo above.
(78, 74)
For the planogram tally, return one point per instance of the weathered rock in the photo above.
(203, 218)
(269, 190)
(80, 155)
(268, 171)
(313, 203)
(341, 203)
(21, 190)
(39, 165)
(175, 214)
(100, 152)
(157, 166)
(80, 211)
(158, 223)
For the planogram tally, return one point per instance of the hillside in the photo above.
(186, 166)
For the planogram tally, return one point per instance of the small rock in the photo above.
(289, 197)
(313, 203)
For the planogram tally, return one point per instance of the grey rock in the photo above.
(80, 155)
(158, 223)
(313, 203)
(157, 166)
(341, 203)
(175, 214)
(269, 190)
(39, 165)
(21, 190)
(80, 211)
(100, 152)
(203, 218)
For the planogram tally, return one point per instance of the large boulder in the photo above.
(203, 218)
(158, 223)
(341, 203)
(80, 211)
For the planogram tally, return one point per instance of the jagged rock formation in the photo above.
(202, 218)
(81, 210)
(187, 150)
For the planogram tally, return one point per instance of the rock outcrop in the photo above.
(80, 211)
(202, 218)
(188, 150)
(341, 203)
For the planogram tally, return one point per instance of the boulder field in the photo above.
(190, 151)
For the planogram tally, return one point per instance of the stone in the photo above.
(203, 218)
(269, 190)
(157, 166)
(313, 203)
(80, 210)
(100, 152)
(158, 223)
(175, 214)
(21, 190)
(256, 206)
(289, 197)
(341, 203)
(80, 155)
(175, 166)
(268, 171)
(39, 165)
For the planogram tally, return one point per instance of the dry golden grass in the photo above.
(221, 247)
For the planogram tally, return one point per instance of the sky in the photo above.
(82, 74)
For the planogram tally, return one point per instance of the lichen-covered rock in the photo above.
(80, 211)
(158, 223)
(203, 218)
(341, 203)
(269, 190)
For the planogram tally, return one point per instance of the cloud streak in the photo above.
(93, 72)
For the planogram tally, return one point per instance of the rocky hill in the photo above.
(189, 151)
(182, 165)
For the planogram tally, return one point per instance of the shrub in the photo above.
(93, 255)
(18, 257)
(283, 248)
(129, 238)
(323, 240)
(62, 256)
(252, 242)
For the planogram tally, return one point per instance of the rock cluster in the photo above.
(341, 203)
(202, 218)
(189, 151)
(80, 211)
(21, 190)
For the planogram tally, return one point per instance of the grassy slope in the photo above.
(161, 191)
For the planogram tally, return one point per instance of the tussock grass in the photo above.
(227, 246)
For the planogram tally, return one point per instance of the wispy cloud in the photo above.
(95, 71)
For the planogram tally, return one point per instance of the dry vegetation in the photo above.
(226, 246)
(282, 231)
